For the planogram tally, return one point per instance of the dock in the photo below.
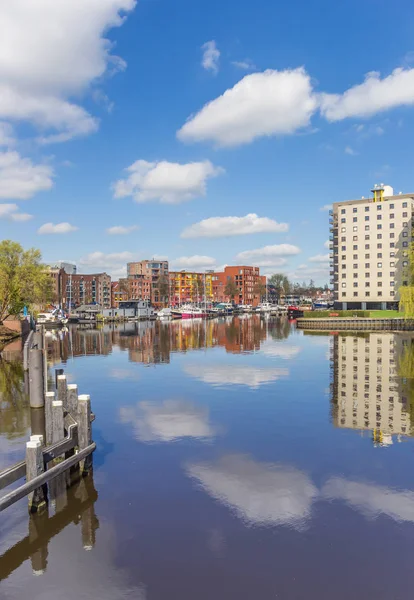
(356, 324)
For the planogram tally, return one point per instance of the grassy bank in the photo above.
(367, 314)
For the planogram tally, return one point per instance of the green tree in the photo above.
(231, 290)
(281, 284)
(24, 280)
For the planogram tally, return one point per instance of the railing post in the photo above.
(72, 399)
(84, 430)
(62, 390)
(35, 467)
(58, 424)
(36, 383)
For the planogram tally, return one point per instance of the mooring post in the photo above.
(37, 525)
(35, 467)
(62, 390)
(57, 373)
(58, 424)
(72, 399)
(49, 399)
(36, 383)
(84, 430)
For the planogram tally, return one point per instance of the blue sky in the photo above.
(89, 89)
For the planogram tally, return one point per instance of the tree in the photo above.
(281, 284)
(24, 280)
(259, 289)
(163, 287)
(231, 288)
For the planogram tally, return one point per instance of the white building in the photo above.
(370, 239)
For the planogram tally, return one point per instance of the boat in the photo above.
(165, 313)
(224, 307)
(265, 307)
(192, 312)
(52, 319)
(294, 312)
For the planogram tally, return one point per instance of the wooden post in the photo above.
(62, 390)
(37, 422)
(58, 425)
(72, 399)
(49, 399)
(57, 373)
(37, 525)
(35, 467)
(36, 385)
(84, 430)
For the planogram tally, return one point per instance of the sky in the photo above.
(209, 133)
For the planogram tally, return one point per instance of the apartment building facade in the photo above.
(149, 280)
(248, 281)
(119, 292)
(369, 240)
(191, 287)
(79, 289)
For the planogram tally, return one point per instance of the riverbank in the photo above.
(6, 336)
(356, 324)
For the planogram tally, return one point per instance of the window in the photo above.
(379, 274)
(355, 275)
(343, 257)
(379, 254)
(405, 234)
(392, 293)
(343, 248)
(392, 225)
(366, 275)
(405, 263)
(344, 285)
(343, 229)
(354, 219)
(355, 266)
(366, 246)
(392, 283)
(379, 236)
(355, 238)
(405, 244)
(392, 254)
(379, 246)
(355, 228)
(355, 256)
(343, 238)
(379, 217)
(392, 215)
(367, 265)
(404, 204)
(405, 215)
(366, 293)
(392, 264)
(366, 255)
(379, 226)
(342, 211)
(379, 265)
(392, 245)
(367, 237)
(344, 266)
(367, 284)
(366, 218)
(366, 227)
(379, 284)
(343, 294)
(343, 220)
(405, 224)
(392, 274)
(379, 293)
(355, 248)
(366, 208)
(355, 293)
(354, 209)
(392, 235)
(355, 284)
(391, 206)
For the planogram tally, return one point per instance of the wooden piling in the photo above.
(49, 399)
(34, 468)
(72, 399)
(36, 382)
(62, 390)
(57, 373)
(84, 430)
(58, 426)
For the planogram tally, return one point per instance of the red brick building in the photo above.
(80, 289)
(247, 280)
(148, 280)
(119, 292)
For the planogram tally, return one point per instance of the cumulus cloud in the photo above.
(319, 258)
(326, 207)
(59, 228)
(196, 261)
(372, 96)
(231, 374)
(121, 230)
(168, 421)
(211, 56)
(50, 51)
(327, 244)
(261, 104)
(259, 493)
(245, 65)
(230, 226)
(279, 350)
(350, 151)
(6, 135)
(100, 259)
(170, 183)
(11, 213)
(20, 179)
(268, 255)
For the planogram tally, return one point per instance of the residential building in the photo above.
(248, 281)
(190, 287)
(119, 292)
(148, 280)
(69, 268)
(82, 289)
(370, 239)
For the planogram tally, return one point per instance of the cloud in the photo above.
(230, 226)
(6, 135)
(20, 179)
(10, 212)
(223, 375)
(245, 65)
(211, 56)
(319, 258)
(59, 228)
(371, 499)
(99, 259)
(327, 244)
(350, 151)
(194, 262)
(260, 105)
(259, 493)
(170, 183)
(121, 230)
(268, 255)
(326, 207)
(279, 350)
(51, 51)
(168, 421)
(373, 96)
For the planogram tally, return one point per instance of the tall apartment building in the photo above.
(370, 239)
(148, 280)
(119, 292)
(247, 280)
(190, 287)
(85, 289)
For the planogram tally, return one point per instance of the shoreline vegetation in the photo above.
(7, 335)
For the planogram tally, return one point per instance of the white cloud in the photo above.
(10, 212)
(167, 182)
(58, 228)
(121, 230)
(370, 499)
(51, 51)
(268, 255)
(261, 104)
(259, 493)
(327, 244)
(319, 258)
(326, 207)
(6, 135)
(99, 259)
(168, 421)
(211, 56)
(231, 374)
(350, 151)
(20, 179)
(279, 350)
(194, 262)
(230, 226)
(372, 96)
(245, 65)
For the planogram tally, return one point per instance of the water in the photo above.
(236, 458)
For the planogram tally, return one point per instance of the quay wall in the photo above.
(356, 324)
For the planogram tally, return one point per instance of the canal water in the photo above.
(236, 459)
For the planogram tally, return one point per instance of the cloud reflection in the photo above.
(279, 350)
(219, 375)
(259, 493)
(168, 421)
(370, 499)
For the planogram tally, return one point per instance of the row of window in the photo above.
(367, 283)
(379, 207)
(379, 225)
(367, 294)
(379, 245)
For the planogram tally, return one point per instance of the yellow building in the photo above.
(192, 287)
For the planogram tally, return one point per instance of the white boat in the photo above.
(164, 313)
(265, 307)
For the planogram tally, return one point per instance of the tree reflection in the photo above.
(14, 405)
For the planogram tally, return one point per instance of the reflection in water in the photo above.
(222, 375)
(14, 401)
(367, 390)
(171, 420)
(260, 493)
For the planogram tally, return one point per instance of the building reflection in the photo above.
(152, 342)
(373, 383)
